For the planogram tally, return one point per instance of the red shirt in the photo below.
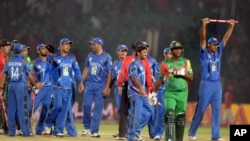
(3, 59)
(123, 75)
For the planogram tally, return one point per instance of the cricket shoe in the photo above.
(192, 138)
(59, 135)
(115, 135)
(47, 131)
(157, 138)
(19, 133)
(138, 137)
(43, 133)
(28, 135)
(1, 131)
(85, 132)
(219, 139)
(95, 135)
(120, 138)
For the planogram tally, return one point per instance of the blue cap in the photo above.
(166, 50)
(122, 47)
(96, 41)
(65, 40)
(213, 40)
(18, 47)
(41, 46)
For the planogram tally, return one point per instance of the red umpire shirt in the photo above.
(123, 75)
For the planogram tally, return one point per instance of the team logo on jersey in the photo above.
(141, 68)
(93, 70)
(65, 71)
(90, 59)
(38, 67)
(58, 61)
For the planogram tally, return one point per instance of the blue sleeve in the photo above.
(203, 54)
(155, 69)
(5, 69)
(48, 70)
(77, 71)
(29, 72)
(109, 66)
(34, 65)
(86, 63)
(133, 70)
(113, 70)
(221, 48)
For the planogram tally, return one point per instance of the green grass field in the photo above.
(106, 132)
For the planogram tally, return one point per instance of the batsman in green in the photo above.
(178, 73)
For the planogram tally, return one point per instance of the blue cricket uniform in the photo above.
(70, 117)
(18, 70)
(99, 66)
(44, 95)
(61, 69)
(116, 68)
(139, 106)
(210, 91)
(154, 70)
(74, 89)
(158, 127)
(153, 67)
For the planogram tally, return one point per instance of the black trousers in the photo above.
(3, 124)
(123, 119)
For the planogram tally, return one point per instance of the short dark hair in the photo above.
(51, 48)
(135, 44)
(4, 42)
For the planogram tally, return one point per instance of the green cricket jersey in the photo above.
(182, 66)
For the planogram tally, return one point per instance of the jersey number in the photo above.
(14, 72)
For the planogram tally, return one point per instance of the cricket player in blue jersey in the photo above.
(154, 71)
(70, 127)
(97, 78)
(210, 86)
(122, 82)
(43, 96)
(63, 63)
(139, 105)
(17, 72)
(160, 109)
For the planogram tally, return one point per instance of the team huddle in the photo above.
(147, 92)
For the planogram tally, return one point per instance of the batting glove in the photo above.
(35, 90)
(152, 99)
